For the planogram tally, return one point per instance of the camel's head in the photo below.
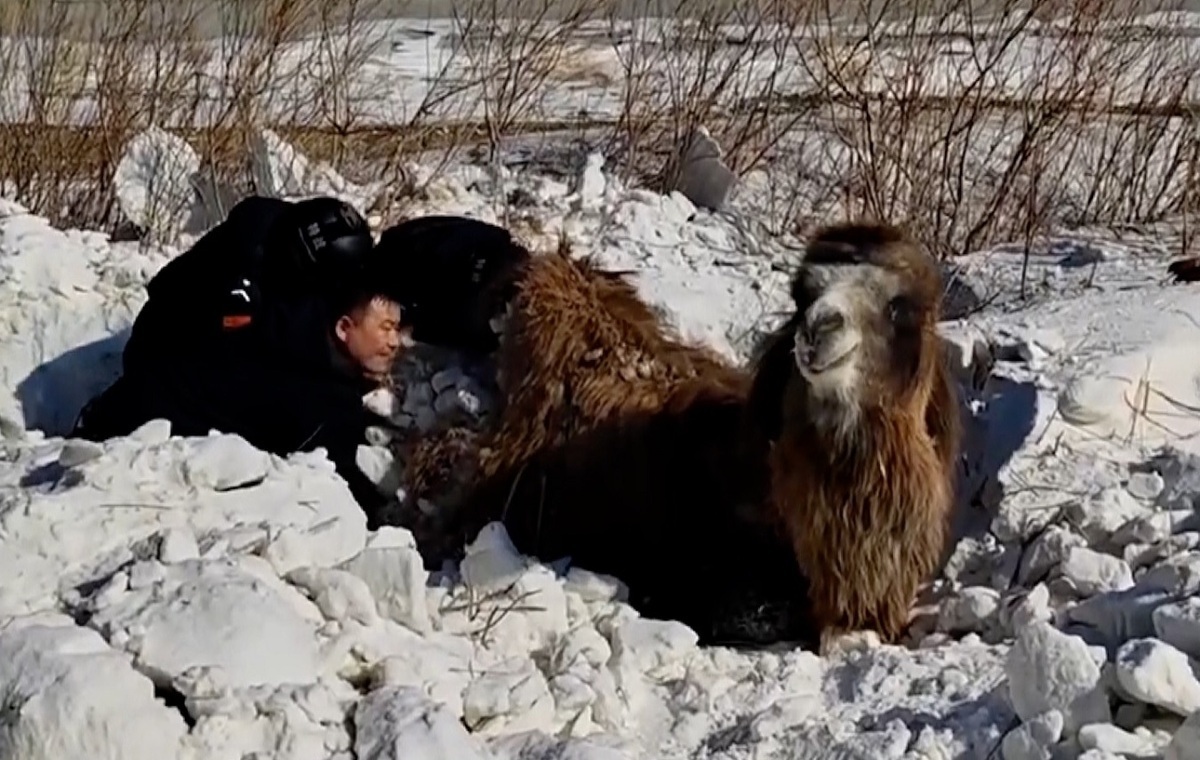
(867, 298)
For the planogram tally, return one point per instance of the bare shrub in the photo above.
(714, 64)
(517, 52)
(978, 130)
(84, 78)
(970, 129)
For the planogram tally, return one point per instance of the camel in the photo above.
(854, 415)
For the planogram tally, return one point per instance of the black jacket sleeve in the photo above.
(341, 435)
(281, 410)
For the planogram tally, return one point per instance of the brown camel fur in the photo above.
(855, 417)
(614, 445)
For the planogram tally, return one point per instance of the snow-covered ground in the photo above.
(386, 72)
(195, 598)
(198, 599)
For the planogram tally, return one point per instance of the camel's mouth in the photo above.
(824, 356)
(499, 320)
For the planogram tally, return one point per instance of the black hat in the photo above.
(320, 240)
(451, 274)
(332, 233)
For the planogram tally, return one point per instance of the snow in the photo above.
(157, 170)
(199, 599)
(247, 584)
(398, 68)
(55, 674)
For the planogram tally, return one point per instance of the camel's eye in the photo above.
(902, 312)
(804, 290)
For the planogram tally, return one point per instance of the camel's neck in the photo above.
(847, 432)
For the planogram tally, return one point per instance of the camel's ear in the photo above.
(764, 407)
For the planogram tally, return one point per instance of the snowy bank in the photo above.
(196, 598)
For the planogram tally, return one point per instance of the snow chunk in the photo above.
(280, 170)
(224, 462)
(972, 610)
(1180, 471)
(1112, 740)
(1047, 552)
(290, 722)
(703, 176)
(379, 465)
(1153, 528)
(399, 723)
(1134, 395)
(1025, 609)
(1145, 485)
(512, 696)
(1178, 575)
(1100, 516)
(1090, 572)
(153, 182)
(1114, 618)
(177, 545)
(1049, 670)
(77, 451)
(595, 587)
(440, 665)
(340, 595)
(492, 562)
(1178, 624)
(1033, 739)
(396, 577)
(210, 614)
(649, 646)
(1185, 745)
(66, 694)
(590, 183)
(1158, 674)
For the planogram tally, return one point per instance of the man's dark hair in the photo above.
(356, 289)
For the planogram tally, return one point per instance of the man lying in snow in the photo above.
(273, 326)
(453, 275)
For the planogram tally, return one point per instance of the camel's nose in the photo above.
(818, 335)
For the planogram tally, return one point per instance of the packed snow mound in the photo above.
(153, 182)
(66, 297)
(1112, 361)
(247, 585)
(155, 493)
(200, 599)
(1151, 395)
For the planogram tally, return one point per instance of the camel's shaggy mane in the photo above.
(615, 445)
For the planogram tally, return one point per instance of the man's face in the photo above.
(373, 336)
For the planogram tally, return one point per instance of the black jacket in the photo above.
(191, 296)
